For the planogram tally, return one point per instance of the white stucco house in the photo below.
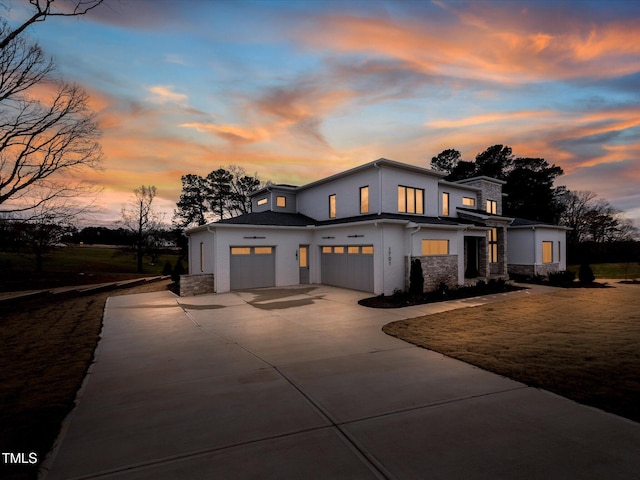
(361, 228)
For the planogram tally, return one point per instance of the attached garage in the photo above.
(252, 267)
(348, 266)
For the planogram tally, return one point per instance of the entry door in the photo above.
(303, 261)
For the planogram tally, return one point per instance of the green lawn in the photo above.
(628, 271)
(88, 259)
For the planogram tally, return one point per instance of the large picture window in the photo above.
(410, 200)
(435, 247)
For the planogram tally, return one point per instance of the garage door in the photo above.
(252, 267)
(348, 267)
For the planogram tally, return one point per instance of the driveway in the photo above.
(301, 383)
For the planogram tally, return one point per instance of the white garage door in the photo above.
(348, 267)
(252, 267)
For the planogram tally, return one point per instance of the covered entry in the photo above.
(348, 267)
(253, 267)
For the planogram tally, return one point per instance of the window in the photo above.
(492, 239)
(435, 247)
(240, 250)
(326, 249)
(364, 199)
(263, 201)
(367, 250)
(281, 201)
(492, 206)
(468, 202)
(201, 256)
(547, 252)
(338, 249)
(332, 206)
(445, 204)
(352, 250)
(304, 261)
(263, 250)
(410, 200)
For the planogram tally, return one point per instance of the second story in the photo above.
(382, 187)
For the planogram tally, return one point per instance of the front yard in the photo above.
(580, 343)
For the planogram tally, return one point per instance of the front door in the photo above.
(303, 261)
(471, 249)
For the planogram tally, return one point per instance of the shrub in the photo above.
(562, 277)
(167, 269)
(416, 279)
(177, 271)
(585, 274)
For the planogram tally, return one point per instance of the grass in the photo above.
(628, 270)
(579, 343)
(75, 265)
(47, 347)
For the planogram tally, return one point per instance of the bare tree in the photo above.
(42, 9)
(141, 219)
(47, 132)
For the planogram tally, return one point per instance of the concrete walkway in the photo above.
(301, 383)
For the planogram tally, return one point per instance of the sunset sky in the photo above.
(297, 90)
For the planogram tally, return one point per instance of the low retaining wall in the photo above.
(196, 284)
(531, 270)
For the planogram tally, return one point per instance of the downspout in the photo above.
(382, 250)
(535, 260)
(215, 263)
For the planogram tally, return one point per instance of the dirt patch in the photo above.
(582, 344)
(47, 347)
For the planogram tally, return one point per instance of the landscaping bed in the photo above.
(405, 299)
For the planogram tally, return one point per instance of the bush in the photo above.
(177, 271)
(416, 279)
(563, 277)
(167, 269)
(585, 274)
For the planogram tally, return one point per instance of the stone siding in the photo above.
(436, 269)
(531, 271)
(196, 284)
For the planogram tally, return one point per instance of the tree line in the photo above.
(531, 193)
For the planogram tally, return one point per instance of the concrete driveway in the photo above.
(301, 383)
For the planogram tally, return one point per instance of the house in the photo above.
(361, 229)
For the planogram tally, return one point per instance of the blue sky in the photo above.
(296, 90)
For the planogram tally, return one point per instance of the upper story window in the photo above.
(410, 200)
(281, 201)
(263, 201)
(445, 204)
(492, 206)
(468, 201)
(364, 199)
(547, 252)
(332, 206)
